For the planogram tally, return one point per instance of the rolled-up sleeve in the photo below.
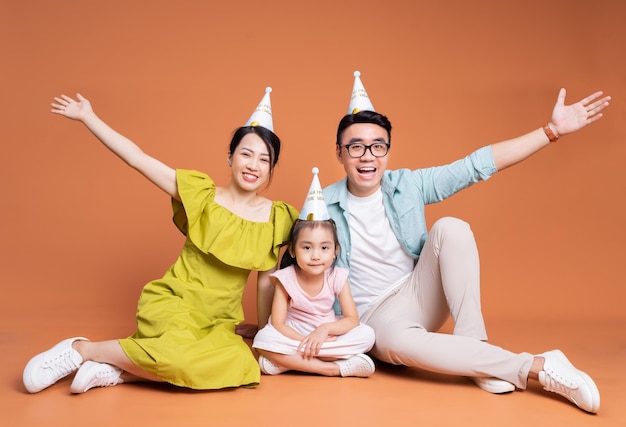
(438, 183)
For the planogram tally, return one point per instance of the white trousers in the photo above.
(356, 341)
(445, 282)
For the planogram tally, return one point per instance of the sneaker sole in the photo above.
(501, 387)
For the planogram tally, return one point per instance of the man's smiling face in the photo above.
(364, 173)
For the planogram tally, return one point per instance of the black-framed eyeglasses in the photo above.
(357, 150)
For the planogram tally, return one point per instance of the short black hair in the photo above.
(363, 117)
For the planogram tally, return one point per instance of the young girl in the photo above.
(186, 320)
(303, 333)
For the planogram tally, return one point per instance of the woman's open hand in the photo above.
(68, 107)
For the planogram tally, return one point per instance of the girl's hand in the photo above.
(70, 108)
(570, 118)
(310, 346)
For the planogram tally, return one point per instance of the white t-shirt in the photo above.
(378, 263)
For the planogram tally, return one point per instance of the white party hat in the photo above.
(262, 116)
(314, 208)
(359, 100)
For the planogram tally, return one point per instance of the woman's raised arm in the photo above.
(157, 172)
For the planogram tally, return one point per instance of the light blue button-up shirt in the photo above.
(405, 194)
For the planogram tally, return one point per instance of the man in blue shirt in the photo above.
(407, 281)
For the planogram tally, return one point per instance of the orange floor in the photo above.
(81, 233)
(395, 396)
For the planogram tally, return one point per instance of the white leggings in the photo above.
(445, 281)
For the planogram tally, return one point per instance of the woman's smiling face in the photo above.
(250, 163)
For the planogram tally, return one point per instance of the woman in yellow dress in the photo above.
(186, 320)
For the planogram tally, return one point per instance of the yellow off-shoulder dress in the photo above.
(186, 320)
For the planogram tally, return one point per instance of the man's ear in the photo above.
(338, 153)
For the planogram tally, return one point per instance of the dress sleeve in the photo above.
(215, 230)
(283, 217)
(196, 191)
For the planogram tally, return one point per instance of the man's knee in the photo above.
(451, 223)
(450, 227)
(400, 347)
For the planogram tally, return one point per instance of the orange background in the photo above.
(82, 232)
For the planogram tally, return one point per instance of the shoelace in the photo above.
(61, 365)
(560, 385)
(105, 378)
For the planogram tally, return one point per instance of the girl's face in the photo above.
(315, 250)
(250, 163)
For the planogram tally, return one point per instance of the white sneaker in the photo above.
(360, 365)
(270, 368)
(561, 377)
(50, 366)
(93, 374)
(493, 385)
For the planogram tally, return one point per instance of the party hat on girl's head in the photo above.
(314, 208)
(262, 116)
(359, 101)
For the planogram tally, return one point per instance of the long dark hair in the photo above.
(299, 225)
